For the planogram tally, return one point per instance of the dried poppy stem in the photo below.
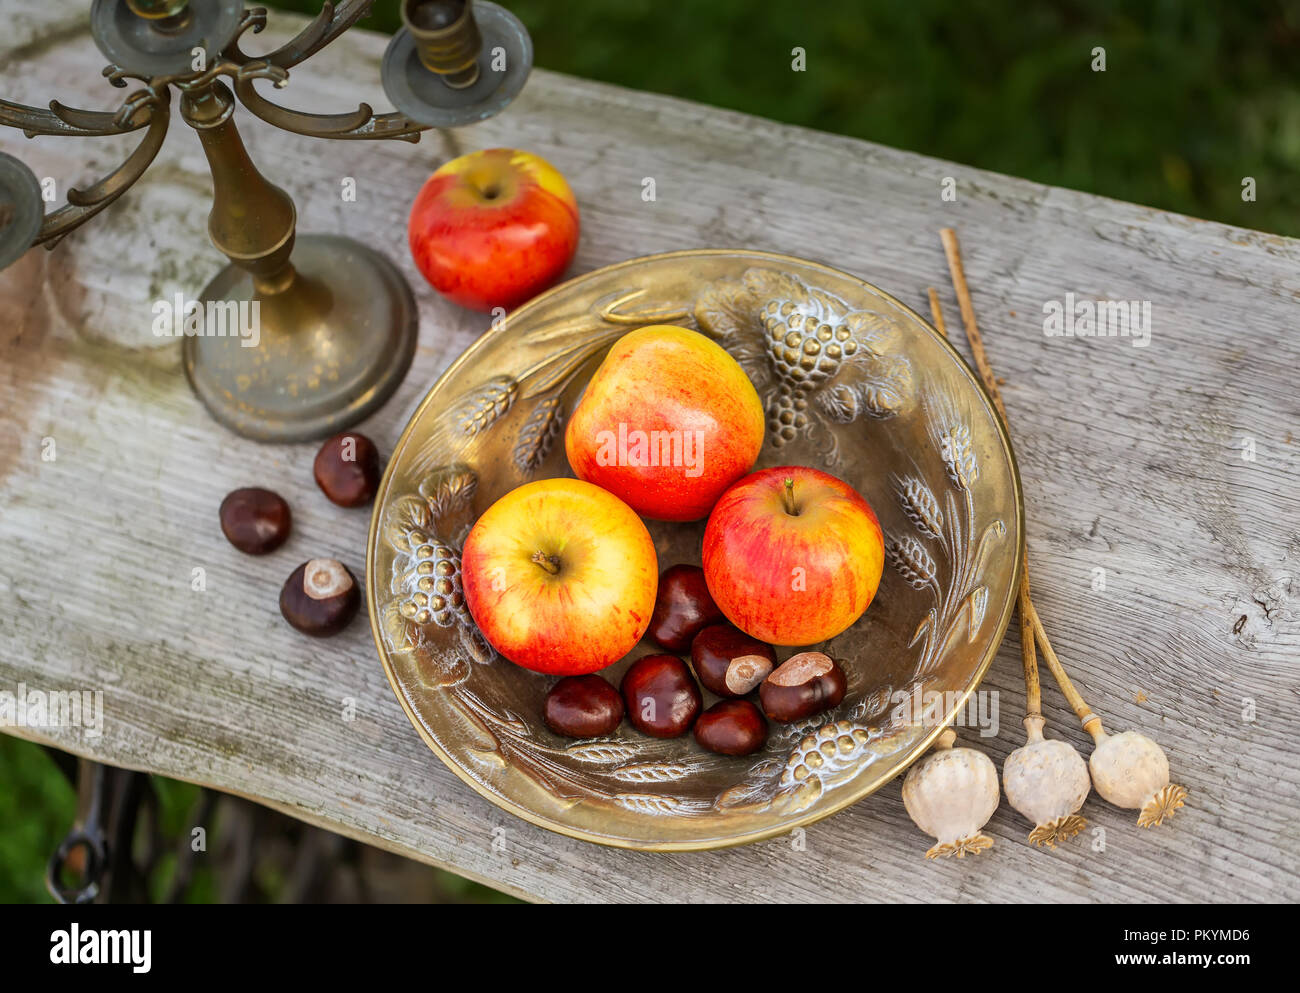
(1033, 688)
(936, 312)
(1128, 769)
(1090, 721)
(1046, 780)
(1028, 655)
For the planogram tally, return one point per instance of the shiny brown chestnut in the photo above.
(731, 727)
(729, 662)
(583, 707)
(347, 469)
(662, 698)
(802, 685)
(320, 598)
(683, 607)
(254, 520)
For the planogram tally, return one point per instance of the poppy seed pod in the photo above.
(1131, 771)
(1047, 781)
(950, 795)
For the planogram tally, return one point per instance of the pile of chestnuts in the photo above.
(321, 597)
(660, 694)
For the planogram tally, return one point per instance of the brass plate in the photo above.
(892, 409)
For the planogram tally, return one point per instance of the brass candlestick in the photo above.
(335, 321)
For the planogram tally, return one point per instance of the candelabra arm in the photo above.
(69, 121)
(85, 203)
(362, 123)
(331, 22)
(252, 220)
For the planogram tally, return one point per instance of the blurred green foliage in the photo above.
(36, 809)
(1196, 96)
(38, 805)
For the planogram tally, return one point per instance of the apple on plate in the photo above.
(668, 421)
(494, 228)
(560, 576)
(792, 555)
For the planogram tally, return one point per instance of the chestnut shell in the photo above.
(324, 616)
(683, 607)
(716, 647)
(666, 681)
(731, 727)
(583, 707)
(794, 703)
(255, 520)
(348, 483)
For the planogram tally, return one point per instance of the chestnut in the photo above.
(662, 698)
(731, 727)
(347, 469)
(729, 662)
(255, 520)
(320, 598)
(802, 685)
(683, 607)
(583, 707)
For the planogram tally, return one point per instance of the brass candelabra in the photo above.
(336, 321)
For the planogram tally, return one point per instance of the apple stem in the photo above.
(790, 507)
(551, 563)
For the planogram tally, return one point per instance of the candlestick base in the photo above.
(312, 359)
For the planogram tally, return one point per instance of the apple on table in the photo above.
(494, 228)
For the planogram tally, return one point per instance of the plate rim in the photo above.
(813, 814)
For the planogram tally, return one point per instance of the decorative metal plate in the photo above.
(854, 383)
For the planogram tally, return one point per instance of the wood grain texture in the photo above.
(1132, 462)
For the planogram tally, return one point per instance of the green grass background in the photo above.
(36, 810)
(1195, 96)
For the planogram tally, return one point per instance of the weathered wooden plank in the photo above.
(1131, 458)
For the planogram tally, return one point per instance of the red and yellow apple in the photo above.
(560, 576)
(792, 555)
(494, 228)
(667, 423)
